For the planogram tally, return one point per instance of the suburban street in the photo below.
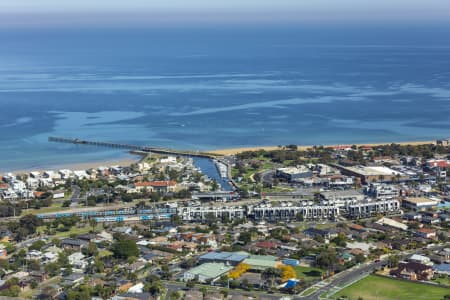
(343, 279)
(74, 199)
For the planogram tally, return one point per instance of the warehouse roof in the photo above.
(210, 270)
(262, 262)
(224, 256)
(373, 170)
(420, 200)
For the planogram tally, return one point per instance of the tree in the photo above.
(359, 258)
(238, 271)
(340, 240)
(34, 284)
(327, 258)
(124, 248)
(393, 261)
(245, 237)
(190, 284)
(99, 266)
(93, 223)
(90, 250)
(188, 263)
(155, 287)
(287, 272)
(30, 223)
(37, 245)
(215, 185)
(175, 295)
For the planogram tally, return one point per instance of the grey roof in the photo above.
(74, 242)
(224, 256)
(442, 268)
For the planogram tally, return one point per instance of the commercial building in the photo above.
(292, 174)
(392, 223)
(419, 203)
(341, 198)
(200, 213)
(262, 262)
(228, 258)
(267, 212)
(370, 208)
(383, 191)
(373, 173)
(207, 272)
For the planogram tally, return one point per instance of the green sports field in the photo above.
(381, 288)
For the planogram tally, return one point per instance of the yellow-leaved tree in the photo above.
(238, 271)
(288, 272)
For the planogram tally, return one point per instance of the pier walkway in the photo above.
(131, 147)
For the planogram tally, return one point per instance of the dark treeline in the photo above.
(326, 154)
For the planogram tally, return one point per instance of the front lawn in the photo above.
(308, 274)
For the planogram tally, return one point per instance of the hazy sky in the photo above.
(50, 12)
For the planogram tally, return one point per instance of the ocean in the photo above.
(220, 87)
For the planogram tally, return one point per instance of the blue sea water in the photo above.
(212, 88)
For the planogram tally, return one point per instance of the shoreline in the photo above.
(233, 151)
(227, 151)
(123, 162)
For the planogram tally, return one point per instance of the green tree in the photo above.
(30, 223)
(175, 296)
(124, 248)
(90, 250)
(393, 261)
(93, 223)
(245, 237)
(327, 258)
(37, 245)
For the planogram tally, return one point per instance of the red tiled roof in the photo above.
(266, 244)
(356, 227)
(439, 163)
(38, 194)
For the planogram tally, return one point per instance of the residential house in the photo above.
(156, 186)
(413, 271)
(421, 259)
(74, 244)
(73, 279)
(426, 233)
(324, 233)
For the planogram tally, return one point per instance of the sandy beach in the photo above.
(233, 151)
(82, 165)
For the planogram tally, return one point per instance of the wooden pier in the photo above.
(130, 147)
